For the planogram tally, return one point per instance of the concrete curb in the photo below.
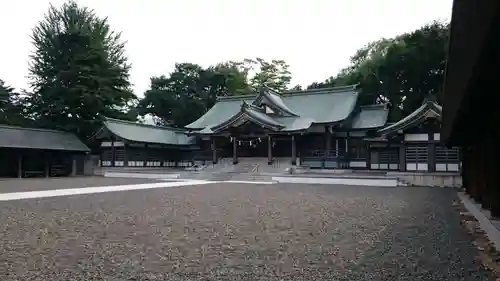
(491, 231)
(341, 181)
(140, 175)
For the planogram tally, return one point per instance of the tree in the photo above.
(12, 110)
(274, 74)
(190, 90)
(403, 70)
(78, 71)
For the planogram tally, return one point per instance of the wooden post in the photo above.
(145, 154)
(467, 172)
(328, 142)
(113, 153)
(431, 157)
(214, 151)
(125, 154)
(235, 151)
(47, 165)
(73, 166)
(269, 150)
(20, 166)
(294, 151)
(402, 157)
(494, 183)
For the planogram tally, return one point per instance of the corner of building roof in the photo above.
(127, 122)
(32, 129)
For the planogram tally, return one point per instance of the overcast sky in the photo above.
(316, 37)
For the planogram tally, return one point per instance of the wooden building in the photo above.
(413, 144)
(130, 144)
(325, 128)
(30, 152)
(320, 127)
(470, 113)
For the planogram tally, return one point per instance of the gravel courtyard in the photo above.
(239, 232)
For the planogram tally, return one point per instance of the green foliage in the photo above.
(12, 109)
(78, 71)
(190, 90)
(273, 74)
(403, 70)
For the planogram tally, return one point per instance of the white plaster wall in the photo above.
(416, 137)
(357, 164)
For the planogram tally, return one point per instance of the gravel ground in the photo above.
(239, 232)
(21, 185)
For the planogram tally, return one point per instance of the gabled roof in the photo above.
(33, 138)
(257, 115)
(137, 132)
(429, 109)
(370, 117)
(273, 99)
(321, 106)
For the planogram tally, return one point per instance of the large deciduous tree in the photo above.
(78, 71)
(403, 70)
(274, 74)
(190, 90)
(12, 109)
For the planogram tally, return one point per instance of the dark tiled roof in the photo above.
(19, 137)
(429, 109)
(315, 106)
(371, 117)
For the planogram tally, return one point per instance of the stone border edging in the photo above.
(491, 231)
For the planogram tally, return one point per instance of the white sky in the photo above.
(316, 37)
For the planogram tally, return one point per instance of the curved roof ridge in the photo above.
(128, 122)
(413, 117)
(329, 90)
(275, 98)
(237, 97)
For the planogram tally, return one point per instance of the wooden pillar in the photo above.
(20, 166)
(113, 153)
(269, 150)
(467, 174)
(475, 189)
(73, 165)
(328, 143)
(402, 157)
(485, 178)
(492, 173)
(294, 151)
(368, 156)
(235, 150)
(145, 154)
(431, 157)
(125, 154)
(47, 165)
(214, 151)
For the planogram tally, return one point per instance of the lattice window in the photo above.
(416, 154)
(447, 155)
